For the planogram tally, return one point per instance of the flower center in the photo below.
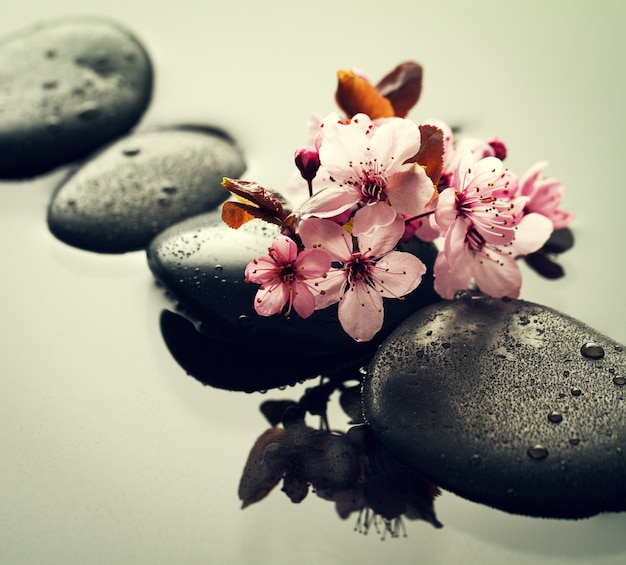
(286, 272)
(373, 186)
(359, 270)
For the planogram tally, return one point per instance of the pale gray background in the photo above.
(108, 452)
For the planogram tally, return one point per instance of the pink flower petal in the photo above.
(397, 274)
(409, 191)
(330, 201)
(283, 249)
(361, 312)
(449, 282)
(331, 237)
(380, 238)
(270, 300)
(329, 288)
(532, 232)
(394, 142)
(303, 299)
(261, 270)
(497, 278)
(343, 147)
(445, 212)
(312, 263)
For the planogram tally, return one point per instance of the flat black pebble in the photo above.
(68, 86)
(201, 262)
(512, 414)
(141, 184)
(234, 366)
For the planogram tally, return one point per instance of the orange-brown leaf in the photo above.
(255, 194)
(356, 95)
(236, 214)
(402, 87)
(430, 155)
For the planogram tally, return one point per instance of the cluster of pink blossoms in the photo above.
(369, 190)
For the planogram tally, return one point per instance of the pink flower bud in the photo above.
(308, 162)
(498, 147)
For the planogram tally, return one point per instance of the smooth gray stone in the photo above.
(67, 87)
(201, 262)
(505, 403)
(141, 184)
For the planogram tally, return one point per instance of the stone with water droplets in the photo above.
(512, 414)
(68, 86)
(201, 262)
(139, 185)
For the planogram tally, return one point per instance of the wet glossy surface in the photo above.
(109, 453)
(474, 393)
(69, 85)
(126, 194)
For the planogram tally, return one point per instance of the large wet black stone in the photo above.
(201, 262)
(67, 87)
(507, 403)
(141, 184)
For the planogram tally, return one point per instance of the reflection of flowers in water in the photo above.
(353, 470)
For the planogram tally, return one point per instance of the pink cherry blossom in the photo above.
(286, 278)
(544, 196)
(370, 267)
(484, 230)
(367, 164)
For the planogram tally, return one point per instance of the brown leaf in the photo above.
(430, 155)
(249, 191)
(402, 87)
(236, 214)
(356, 95)
(261, 474)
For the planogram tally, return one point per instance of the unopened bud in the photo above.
(308, 162)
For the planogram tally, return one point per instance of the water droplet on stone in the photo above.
(363, 370)
(245, 321)
(574, 440)
(89, 112)
(576, 391)
(618, 348)
(445, 345)
(566, 373)
(169, 189)
(462, 295)
(53, 124)
(218, 267)
(592, 350)
(475, 459)
(555, 417)
(619, 380)
(130, 152)
(537, 451)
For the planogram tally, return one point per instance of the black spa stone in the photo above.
(234, 366)
(67, 87)
(201, 262)
(507, 403)
(141, 184)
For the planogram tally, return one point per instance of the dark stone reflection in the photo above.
(220, 363)
(352, 469)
